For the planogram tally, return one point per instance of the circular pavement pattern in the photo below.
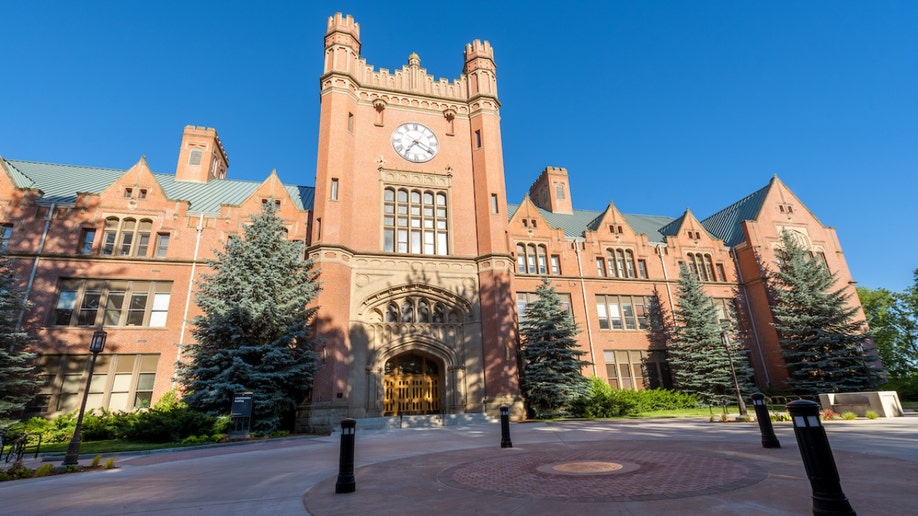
(646, 475)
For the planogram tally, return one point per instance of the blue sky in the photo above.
(656, 106)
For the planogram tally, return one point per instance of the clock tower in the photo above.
(409, 231)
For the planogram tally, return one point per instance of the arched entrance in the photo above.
(413, 385)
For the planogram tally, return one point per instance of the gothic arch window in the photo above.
(423, 311)
(438, 315)
(408, 311)
(391, 313)
(420, 309)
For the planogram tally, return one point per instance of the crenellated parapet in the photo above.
(345, 69)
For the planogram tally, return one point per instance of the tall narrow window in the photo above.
(555, 264)
(87, 235)
(494, 205)
(559, 191)
(334, 189)
(143, 237)
(477, 138)
(6, 231)
(642, 268)
(162, 244)
(194, 158)
(350, 122)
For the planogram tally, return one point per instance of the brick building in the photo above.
(424, 264)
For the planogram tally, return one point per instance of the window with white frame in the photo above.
(533, 259)
(119, 382)
(524, 298)
(126, 236)
(621, 263)
(415, 221)
(622, 312)
(97, 302)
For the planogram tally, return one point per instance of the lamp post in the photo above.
(96, 345)
(739, 395)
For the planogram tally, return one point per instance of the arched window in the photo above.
(621, 263)
(533, 259)
(126, 237)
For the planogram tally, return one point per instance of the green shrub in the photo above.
(603, 401)
(906, 387)
(109, 464)
(780, 416)
(870, 414)
(44, 470)
(849, 416)
(170, 420)
(102, 424)
(96, 460)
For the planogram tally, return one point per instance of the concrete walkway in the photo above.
(623, 467)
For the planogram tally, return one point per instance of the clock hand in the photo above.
(423, 147)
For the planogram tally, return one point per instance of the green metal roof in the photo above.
(727, 223)
(60, 183)
(581, 220)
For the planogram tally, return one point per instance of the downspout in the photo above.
(194, 265)
(755, 332)
(669, 292)
(41, 248)
(586, 308)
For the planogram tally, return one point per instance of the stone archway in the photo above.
(419, 341)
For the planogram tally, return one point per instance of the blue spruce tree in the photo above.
(254, 334)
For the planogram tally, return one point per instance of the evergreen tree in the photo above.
(703, 348)
(254, 334)
(821, 342)
(18, 381)
(658, 335)
(552, 376)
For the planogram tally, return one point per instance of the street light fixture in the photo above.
(739, 395)
(96, 345)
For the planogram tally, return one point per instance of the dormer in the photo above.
(552, 191)
(201, 156)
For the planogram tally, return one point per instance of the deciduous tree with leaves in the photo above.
(254, 334)
(17, 366)
(551, 375)
(702, 347)
(822, 342)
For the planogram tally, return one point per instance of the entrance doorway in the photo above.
(412, 385)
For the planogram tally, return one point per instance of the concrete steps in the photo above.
(419, 421)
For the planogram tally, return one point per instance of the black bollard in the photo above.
(828, 497)
(505, 427)
(346, 482)
(769, 439)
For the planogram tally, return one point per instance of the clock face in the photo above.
(415, 142)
